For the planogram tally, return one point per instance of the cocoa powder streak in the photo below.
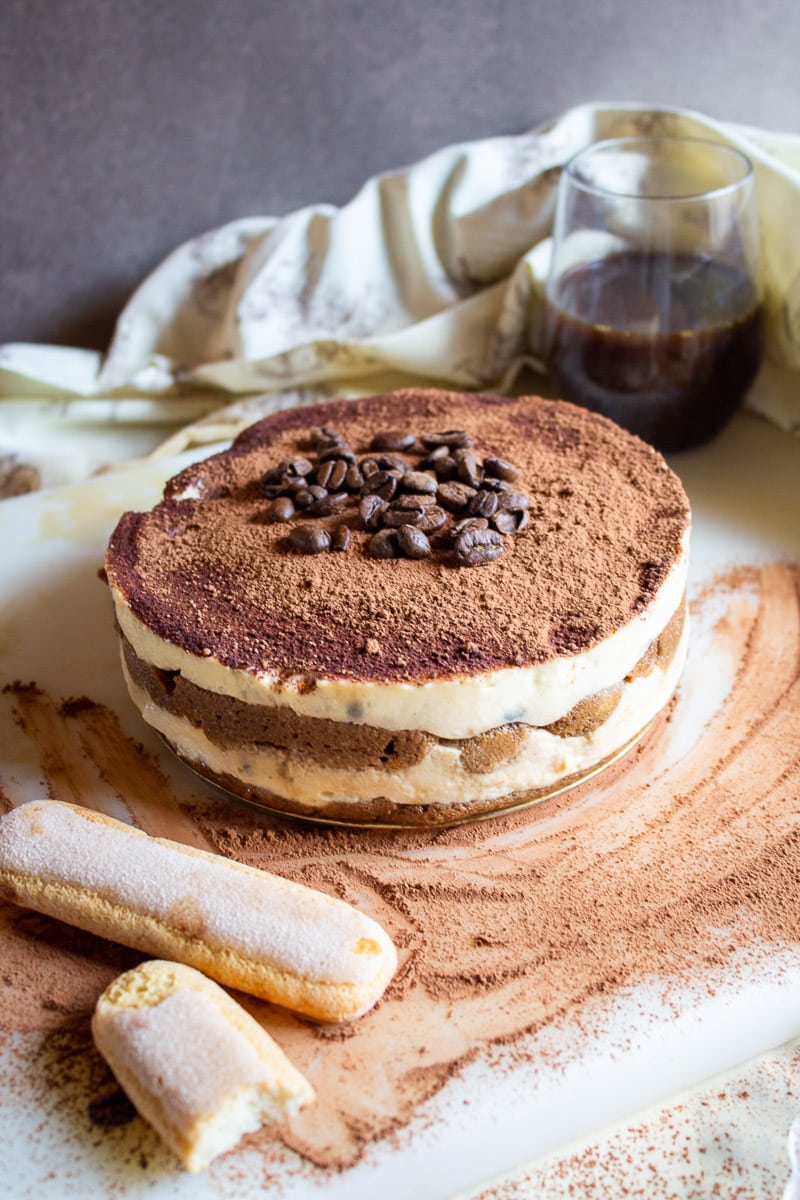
(666, 866)
(87, 759)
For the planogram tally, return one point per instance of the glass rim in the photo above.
(653, 140)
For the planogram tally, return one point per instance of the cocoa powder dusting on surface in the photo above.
(87, 759)
(50, 970)
(723, 1142)
(666, 866)
(606, 521)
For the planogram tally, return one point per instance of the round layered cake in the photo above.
(412, 609)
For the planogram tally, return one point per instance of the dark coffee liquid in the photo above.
(664, 345)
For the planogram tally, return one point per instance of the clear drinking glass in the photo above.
(653, 304)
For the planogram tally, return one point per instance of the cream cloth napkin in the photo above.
(430, 273)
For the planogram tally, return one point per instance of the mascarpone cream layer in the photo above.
(541, 761)
(459, 706)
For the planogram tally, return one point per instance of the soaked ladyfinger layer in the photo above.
(522, 761)
(233, 724)
(149, 1025)
(246, 928)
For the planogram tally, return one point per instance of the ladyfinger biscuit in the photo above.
(243, 927)
(195, 1065)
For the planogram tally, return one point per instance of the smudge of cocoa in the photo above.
(88, 759)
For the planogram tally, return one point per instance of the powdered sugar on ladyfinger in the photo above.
(149, 1025)
(255, 931)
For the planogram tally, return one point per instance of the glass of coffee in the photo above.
(653, 303)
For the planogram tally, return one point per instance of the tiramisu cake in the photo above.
(416, 608)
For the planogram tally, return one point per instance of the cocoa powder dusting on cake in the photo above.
(669, 866)
(605, 519)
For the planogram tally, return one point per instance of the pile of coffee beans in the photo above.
(448, 499)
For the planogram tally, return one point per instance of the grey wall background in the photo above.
(129, 125)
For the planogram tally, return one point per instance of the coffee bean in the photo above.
(381, 484)
(371, 510)
(308, 496)
(331, 473)
(454, 496)
(369, 467)
(474, 547)
(297, 484)
(504, 522)
(467, 523)
(470, 470)
(435, 456)
(393, 462)
(340, 538)
(419, 481)
(340, 469)
(353, 480)
(275, 481)
(446, 469)
(434, 518)
(412, 542)
(309, 539)
(383, 544)
(401, 504)
(274, 475)
(323, 437)
(394, 516)
(272, 490)
(509, 522)
(392, 439)
(337, 451)
(295, 466)
(411, 500)
(111, 1109)
(498, 468)
(482, 504)
(448, 437)
(327, 505)
(323, 473)
(280, 510)
(513, 501)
